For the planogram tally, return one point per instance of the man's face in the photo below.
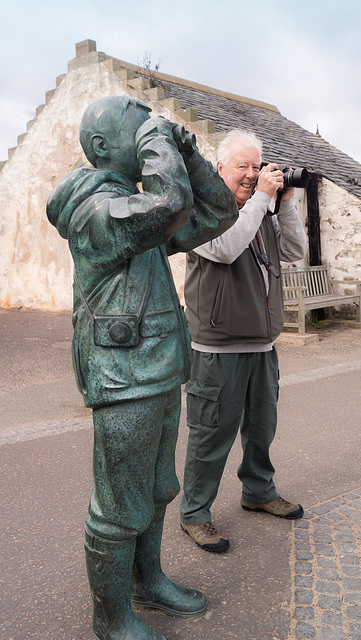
(240, 172)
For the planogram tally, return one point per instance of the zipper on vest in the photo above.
(268, 317)
(212, 319)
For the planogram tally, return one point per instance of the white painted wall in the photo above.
(340, 214)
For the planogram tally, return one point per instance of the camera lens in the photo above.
(296, 178)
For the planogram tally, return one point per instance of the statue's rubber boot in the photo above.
(109, 566)
(151, 589)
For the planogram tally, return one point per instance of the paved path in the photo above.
(326, 547)
(279, 581)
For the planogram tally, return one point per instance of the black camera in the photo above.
(298, 178)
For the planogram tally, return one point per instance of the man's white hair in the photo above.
(237, 138)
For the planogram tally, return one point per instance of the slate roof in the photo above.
(284, 141)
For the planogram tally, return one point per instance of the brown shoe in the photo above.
(206, 536)
(278, 507)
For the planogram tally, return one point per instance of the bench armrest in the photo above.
(346, 282)
(300, 289)
(351, 283)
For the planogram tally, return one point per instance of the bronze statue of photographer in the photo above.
(131, 347)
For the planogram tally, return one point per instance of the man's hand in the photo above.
(270, 180)
(288, 193)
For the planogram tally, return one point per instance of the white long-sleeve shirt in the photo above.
(291, 237)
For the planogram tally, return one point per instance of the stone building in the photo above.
(35, 264)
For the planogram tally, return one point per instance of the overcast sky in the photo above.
(304, 56)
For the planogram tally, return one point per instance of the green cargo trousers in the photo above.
(227, 392)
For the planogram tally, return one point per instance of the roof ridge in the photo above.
(87, 49)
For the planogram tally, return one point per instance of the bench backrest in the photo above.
(315, 279)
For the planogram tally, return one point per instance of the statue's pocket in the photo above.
(116, 331)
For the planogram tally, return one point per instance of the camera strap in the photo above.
(277, 205)
(261, 255)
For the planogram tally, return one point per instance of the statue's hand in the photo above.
(175, 133)
(153, 128)
(185, 141)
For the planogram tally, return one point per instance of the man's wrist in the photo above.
(286, 206)
(261, 197)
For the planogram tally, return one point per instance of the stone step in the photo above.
(188, 115)
(173, 104)
(49, 95)
(93, 57)
(124, 74)
(203, 127)
(157, 93)
(60, 79)
(30, 124)
(140, 84)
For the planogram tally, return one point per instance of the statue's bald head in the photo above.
(106, 117)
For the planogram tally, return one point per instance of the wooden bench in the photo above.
(310, 288)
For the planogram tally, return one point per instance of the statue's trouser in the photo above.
(134, 480)
(133, 464)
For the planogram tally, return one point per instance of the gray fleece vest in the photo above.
(228, 303)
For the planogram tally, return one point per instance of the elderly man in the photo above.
(233, 292)
(131, 347)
